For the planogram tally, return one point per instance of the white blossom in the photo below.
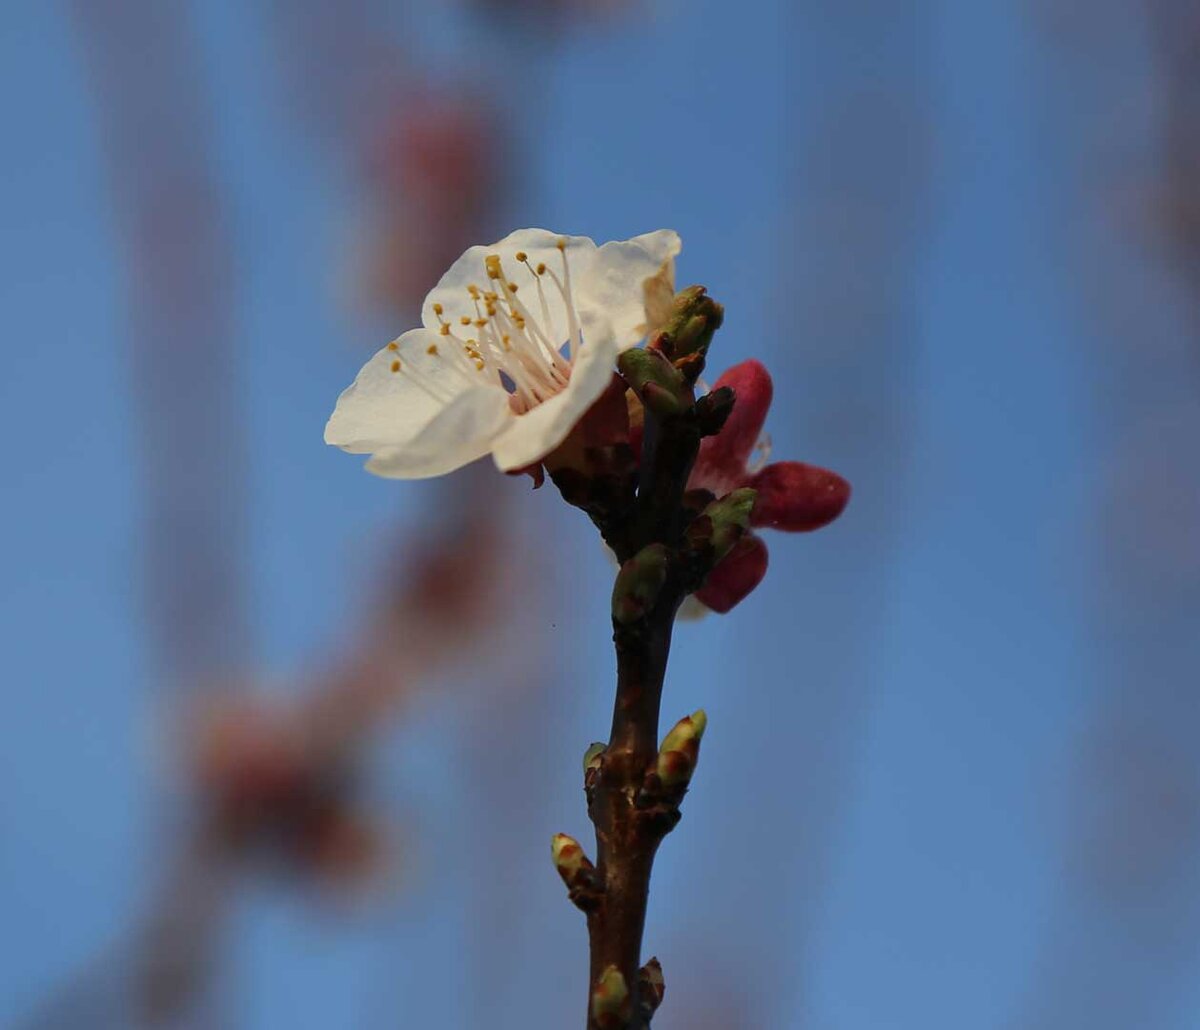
(519, 339)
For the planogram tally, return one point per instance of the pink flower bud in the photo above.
(796, 497)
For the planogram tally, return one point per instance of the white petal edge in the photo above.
(382, 408)
(535, 434)
(614, 287)
(461, 432)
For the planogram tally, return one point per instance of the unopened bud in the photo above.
(610, 999)
(591, 757)
(639, 583)
(659, 384)
(713, 409)
(569, 858)
(680, 750)
(694, 318)
(723, 523)
(651, 986)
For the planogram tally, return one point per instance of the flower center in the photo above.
(507, 342)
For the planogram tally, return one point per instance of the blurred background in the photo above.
(284, 744)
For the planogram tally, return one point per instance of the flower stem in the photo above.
(629, 818)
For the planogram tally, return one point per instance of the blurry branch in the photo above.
(1175, 31)
(343, 65)
(276, 787)
(434, 167)
(179, 265)
(426, 158)
(274, 783)
(556, 15)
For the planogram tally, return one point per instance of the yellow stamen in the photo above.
(393, 345)
(395, 366)
(431, 349)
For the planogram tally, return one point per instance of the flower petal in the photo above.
(721, 463)
(540, 246)
(624, 277)
(461, 432)
(796, 497)
(411, 433)
(530, 437)
(738, 573)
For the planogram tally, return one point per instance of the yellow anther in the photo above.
(393, 345)
(395, 366)
(522, 256)
(431, 349)
(541, 268)
(478, 365)
(491, 296)
(464, 319)
(473, 290)
(491, 310)
(445, 329)
(492, 264)
(437, 309)
(480, 323)
(512, 287)
(561, 243)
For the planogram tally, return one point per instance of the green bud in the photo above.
(694, 318)
(680, 750)
(723, 522)
(591, 757)
(639, 583)
(659, 384)
(568, 857)
(610, 998)
(689, 728)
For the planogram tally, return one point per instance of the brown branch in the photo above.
(628, 834)
(631, 820)
(667, 540)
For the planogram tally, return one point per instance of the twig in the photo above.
(667, 545)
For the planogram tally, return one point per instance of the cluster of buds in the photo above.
(719, 559)
(664, 374)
